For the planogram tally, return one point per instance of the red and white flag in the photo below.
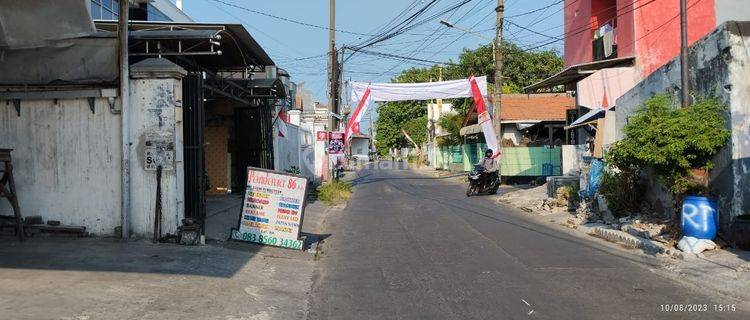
(485, 120)
(357, 115)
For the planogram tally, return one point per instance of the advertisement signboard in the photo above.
(336, 143)
(272, 209)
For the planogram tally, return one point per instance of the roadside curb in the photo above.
(634, 242)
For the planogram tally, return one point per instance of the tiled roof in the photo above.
(546, 106)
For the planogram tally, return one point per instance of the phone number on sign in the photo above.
(697, 307)
(268, 240)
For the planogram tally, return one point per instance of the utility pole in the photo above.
(685, 77)
(122, 35)
(497, 95)
(332, 60)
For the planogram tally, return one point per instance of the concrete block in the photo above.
(629, 240)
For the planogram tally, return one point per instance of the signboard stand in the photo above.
(272, 209)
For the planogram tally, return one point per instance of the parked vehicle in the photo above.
(478, 186)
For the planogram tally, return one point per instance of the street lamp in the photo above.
(450, 25)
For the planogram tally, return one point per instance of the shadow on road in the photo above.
(114, 255)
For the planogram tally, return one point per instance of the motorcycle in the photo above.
(475, 182)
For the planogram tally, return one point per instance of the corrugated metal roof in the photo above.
(577, 72)
(238, 47)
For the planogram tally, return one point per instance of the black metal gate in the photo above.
(194, 122)
(253, 141)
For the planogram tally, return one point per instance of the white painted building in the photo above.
(65, 123)
(313, 119)
(67, 156)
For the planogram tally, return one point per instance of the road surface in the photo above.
(409, 246)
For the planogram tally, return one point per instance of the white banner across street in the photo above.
(418, 91)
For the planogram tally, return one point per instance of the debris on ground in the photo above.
(591, 210)
(643, 229)
(584, 214)
(695, 245)
(535, 200)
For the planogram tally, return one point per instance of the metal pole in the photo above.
(498, 60)
(122, 34)
(340, 84)
(684, 55)
(331, 65)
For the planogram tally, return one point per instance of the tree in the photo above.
(451, 123)
(520, 68)
(411, 116)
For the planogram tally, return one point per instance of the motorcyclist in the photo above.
(490, 166)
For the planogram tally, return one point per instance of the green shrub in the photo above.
(569, 192)
(622, 191)
(671, 140)
(293, 170)
(334, 192)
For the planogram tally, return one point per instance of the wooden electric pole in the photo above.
(498, 57)
(332, 60)
(684, 75)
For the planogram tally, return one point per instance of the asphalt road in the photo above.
(410, 246)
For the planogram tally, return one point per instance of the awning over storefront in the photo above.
(217, 47)
(520, 125)
(472, 129)
(588, 117)
(577, 72)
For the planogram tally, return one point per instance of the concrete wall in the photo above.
(582, 17)
(67, 161)
(287, 149)
(313, 155)
(156, 100)
(360, 148)
(510, 132)
(649, 30)
(657, 30)
(719, 66)
(739, 93)
(570, 165)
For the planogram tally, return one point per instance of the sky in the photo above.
(301, 49)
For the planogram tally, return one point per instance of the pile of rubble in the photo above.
(535, 200)
(645, 228)
(638, 225)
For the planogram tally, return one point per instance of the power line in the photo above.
(413, 52)
(535, 10)
(310, 57)
(288, 20)
(407, 24)
(532, 31)
(398, 57)
(396, 29)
